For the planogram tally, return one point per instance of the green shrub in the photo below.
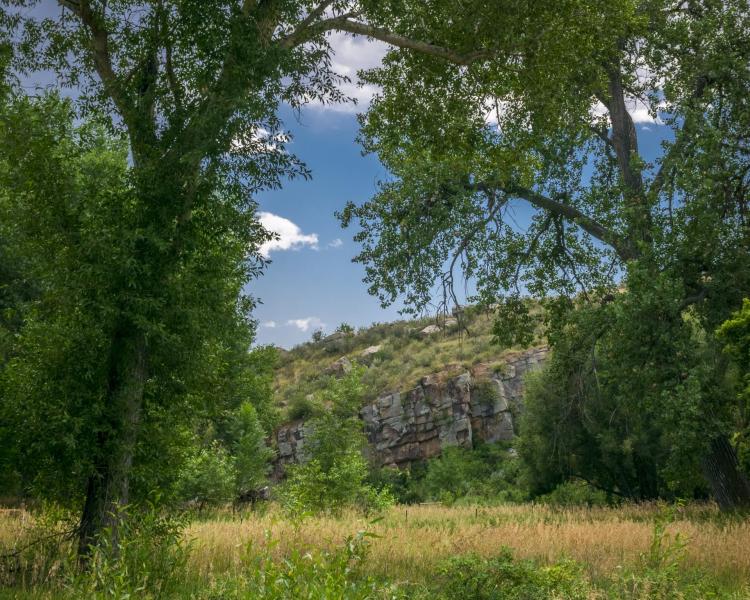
(575, 493)
(336, 473)
(503, 578)
(661, 573)
(487, 472)
(208, 477)
(301, 407)
(251, 454)
(150, 560)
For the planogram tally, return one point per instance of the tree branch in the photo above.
(347, 24)
(591, 226)
(680, 139)
(99, 40)
(300, 31)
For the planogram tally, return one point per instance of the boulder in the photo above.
(429, 330)
(450, 323)
(368, 354)
(340, 368)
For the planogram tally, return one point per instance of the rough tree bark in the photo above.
(729, 485)
(107, 490)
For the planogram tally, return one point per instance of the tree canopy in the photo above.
(517, 167)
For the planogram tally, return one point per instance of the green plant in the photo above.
(345, 328)
(503, 578)
(148, 559)
(251, 454)
(335, 474)
(316, 575)
(208, 477)
(575, 493)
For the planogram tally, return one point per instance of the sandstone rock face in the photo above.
(418, 424)
(290, 446)
(440, 411)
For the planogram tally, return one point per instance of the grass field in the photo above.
(697, 544)
(412, 539)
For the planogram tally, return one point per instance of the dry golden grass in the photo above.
(411, 539)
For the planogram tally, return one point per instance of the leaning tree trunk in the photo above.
(107, 488)
(729, 485)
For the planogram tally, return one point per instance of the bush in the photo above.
(575, 493)
(486, 472)
(150, 560)
(208, 477)
(503, 578)
(314, 575)
(251, 455)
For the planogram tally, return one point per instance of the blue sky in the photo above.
(314, 284)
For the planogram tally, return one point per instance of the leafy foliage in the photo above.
(502, 577)
(208, 477)
(335, 472)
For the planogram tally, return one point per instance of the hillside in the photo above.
(396, 355)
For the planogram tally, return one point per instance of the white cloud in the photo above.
(260, 139)
(638, 109)
(337, 243)
(307, 323)
(350, 54)
(290, 236)
(269, 324)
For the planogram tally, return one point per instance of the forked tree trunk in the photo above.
(107, 488)
(729, 485)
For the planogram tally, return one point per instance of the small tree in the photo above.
(336, 471)
(208, 477)
(251, 455)
(345, 328)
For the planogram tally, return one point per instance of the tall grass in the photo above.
(412, 539)
(632, 552)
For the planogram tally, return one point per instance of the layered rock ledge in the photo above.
(442, 410)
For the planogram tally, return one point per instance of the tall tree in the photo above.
(535, 112)
(195, 88)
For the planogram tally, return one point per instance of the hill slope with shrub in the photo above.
(396, 355)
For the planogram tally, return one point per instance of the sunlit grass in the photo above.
(411, 540)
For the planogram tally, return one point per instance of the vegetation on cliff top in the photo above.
(405, 354)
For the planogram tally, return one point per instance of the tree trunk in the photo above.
(107, 488)
(729, 485)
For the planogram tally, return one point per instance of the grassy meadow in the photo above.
(632, 551)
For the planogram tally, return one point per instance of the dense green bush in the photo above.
(315, 575)
(503, 578)
(208, 477)
(251, 454)
(485, 473)
(575, 493)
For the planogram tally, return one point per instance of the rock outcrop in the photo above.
(441, 411)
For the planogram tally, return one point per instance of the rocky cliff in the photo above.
(440, 411)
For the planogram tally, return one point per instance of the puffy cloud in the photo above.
(269, 324)
(306, 323)
(337, 243)
(290, 236)
(350, 54)
(639, 111)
